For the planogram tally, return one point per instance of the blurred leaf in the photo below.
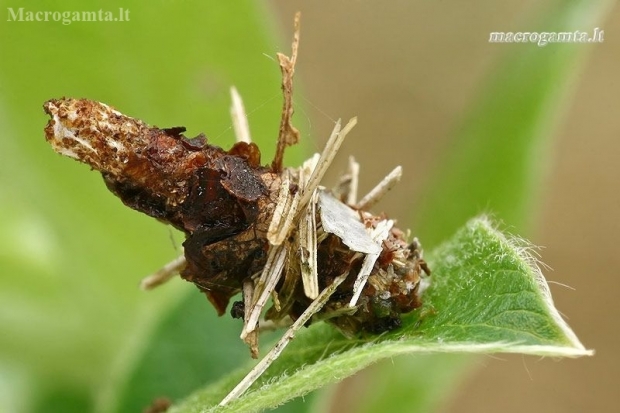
(487, 296)
(497, 160)
(496, 164)
(190, 347)
(73, 321)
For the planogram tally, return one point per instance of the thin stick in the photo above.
(288, 134)
(275, 352)
(380, 190)
(278, 229)
(239, 118)
(379, 234)
(267, 282)
(251, 339)
(308, 250)
(289, 222)
(327, 156)
(354, 172)
(163, 274)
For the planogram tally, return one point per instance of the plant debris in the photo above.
(267, 232)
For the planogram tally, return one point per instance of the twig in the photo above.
(288, 135)
(275, 352)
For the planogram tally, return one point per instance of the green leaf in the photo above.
(487, 295)
(495, 163)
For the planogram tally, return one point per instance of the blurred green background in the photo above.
(75, 330)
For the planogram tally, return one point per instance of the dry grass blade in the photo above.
(327, 156)
(354, 173)
(164, 274)
(264, 286)
(275, 352)
(251, 338)
(239, 118)
(375, 194)
(308, 250)
(286, 209)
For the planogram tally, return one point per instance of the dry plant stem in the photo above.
(288, 135)
(239, 118)
(379, 234)
(275, 352)
(290, 207)
(264, 286)
(375, 194)
(307, 238)
(163, 274)
(251, 339)
(308, 250)
(354, 173)
(284, 205)
(275, 299)
(325, 160)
